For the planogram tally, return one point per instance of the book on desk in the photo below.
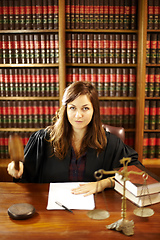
(136, 190)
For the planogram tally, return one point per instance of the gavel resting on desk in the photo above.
(16, 149)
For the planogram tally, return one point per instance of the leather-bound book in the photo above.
(22, 15)
(146, 115)
(28, 12)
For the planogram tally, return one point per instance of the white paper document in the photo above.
(61, 192)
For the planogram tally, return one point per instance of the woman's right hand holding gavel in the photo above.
(12, 170)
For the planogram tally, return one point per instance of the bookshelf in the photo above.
(62, 24)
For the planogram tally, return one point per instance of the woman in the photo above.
(75, 146)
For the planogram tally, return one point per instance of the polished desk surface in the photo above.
(60, 224)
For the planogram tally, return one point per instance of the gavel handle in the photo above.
(16, 164)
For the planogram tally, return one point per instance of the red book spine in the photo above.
(22, 49)
(150, 14)
(100, 48)
(148, 47)
(68, 48)
(5, 13)
(100, 82)
(52, 48)
(22, 15)
(39, 14)
(16, 14)
(56, 72)
(72, 14)
(27, 50)
(146, 115)
(132, 82)
(133, 14)
(151, 77)
(68, 14)
(45, 14)
(113, 113)
(94, 77)
(111, 48)
(47, 53)
(56, 11)
(90, 48)
(50, 14)
(28, 80)
(112, 82)
(111, 14)
(105, 12)
(11, 14)
(87, 75)
(86, 14)
(158, 48)
(56, 48)
(101, 14)
(42, 49)
(158, 115)
(81, 74)
(158, 145)
(119, 113)
(134, 48)
(81, 14)
(126, 114)
(118, 82)
(127, 13)
(157, 83)
(152, 145)
(95, 48)
(1, 17)
(74, 48)
(5, 52)
(125, 82)
(132, 114)
(77, 12)
(145, 145)
(123, 48)
(146, 83)
(152, 115)
(79, 48)
(106, 48)
(117, 48)
(117, 14)
(153, 48)
(106, 82)
(129, 49)
(84, 49)
(28, 12)
(96, 13)
(34, 23)
(155, 14)
(91, 14)
(107, 112)
(31, 49)
(121, 14)
(1, 51)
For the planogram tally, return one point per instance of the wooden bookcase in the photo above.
(62, 65)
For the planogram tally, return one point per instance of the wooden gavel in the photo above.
(16, 149)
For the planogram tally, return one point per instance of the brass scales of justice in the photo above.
(122, 225)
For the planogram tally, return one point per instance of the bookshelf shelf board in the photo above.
(152, 65)
(19, 129)
(152, 130)
(151, 162)
(99, 65)
(117, 98)
(30, 31)
(29, 98)
(102, 30)
(29, 65)
(152, 98)
(153, 30)
(4, 162)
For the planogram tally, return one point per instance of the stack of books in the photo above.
(135, 189)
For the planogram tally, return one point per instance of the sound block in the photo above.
(21, 211)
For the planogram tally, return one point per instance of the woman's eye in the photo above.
(72, 108)
(86, 108)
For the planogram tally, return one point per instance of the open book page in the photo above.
(61, 192)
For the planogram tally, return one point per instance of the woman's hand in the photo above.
(93, 187)
(13, 172)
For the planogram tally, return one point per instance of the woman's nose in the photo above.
(78, 114)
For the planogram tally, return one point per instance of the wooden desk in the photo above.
(64, 225)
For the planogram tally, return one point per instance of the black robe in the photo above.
(41, 165)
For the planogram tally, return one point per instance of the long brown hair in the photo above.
(61, 131)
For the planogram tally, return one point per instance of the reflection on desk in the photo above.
(58, 224)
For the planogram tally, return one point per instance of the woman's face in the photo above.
(80, 112)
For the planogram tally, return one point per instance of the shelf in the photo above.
(117, 98)
(99, 65)
(19, 129)
(102, 30)
(30, 31)
(29, 98)
(151, 162)
(29, 65)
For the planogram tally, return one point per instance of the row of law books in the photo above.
(101, 48)
(28, 14)
(29, 82)
(153, 14)
(27, 113)
(101, 14)
(4, 136)
(153, 48)
(118, 113)
(108, 81)
(152, 82)
(152, 115)
(29, 48)
(151, 145)
(140, 192)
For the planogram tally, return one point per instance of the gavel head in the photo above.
(16, 149)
